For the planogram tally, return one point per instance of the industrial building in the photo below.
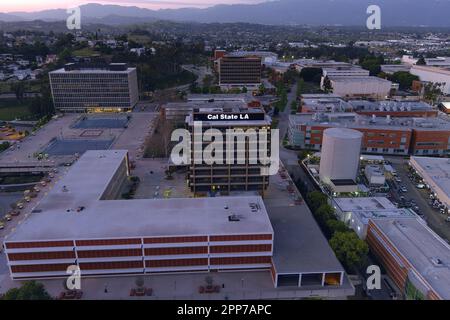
(243, 175)
(81, 87)
(382, 135)
(240, 71)
(393, 68)
(80, 223)
(361, 87)
(435, 172)
(339, 159)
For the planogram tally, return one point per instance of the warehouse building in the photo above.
(81, 87)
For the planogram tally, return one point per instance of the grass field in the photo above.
(11, 109)
(85, 52)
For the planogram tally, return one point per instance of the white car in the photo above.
(420, 186)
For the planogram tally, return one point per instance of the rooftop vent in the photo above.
(233, 218)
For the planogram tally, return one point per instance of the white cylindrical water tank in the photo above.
(341, 149)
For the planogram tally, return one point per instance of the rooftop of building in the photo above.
(358, 79)
(326, 103)
(84, 185)
(353, 120)
(426, 252)
(394, 106)
(374, 170)
(94, 68)
(364, 204)
(256, 117)
(240, 97)
(438, 169)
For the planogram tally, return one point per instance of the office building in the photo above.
(79, 223)
(240, 71)
(382, 135)
(81, 87)
(244, 175)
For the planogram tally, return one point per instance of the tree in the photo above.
(324, 213)
(432, 91)
(19, 90)
(404, 79)
(316, 199)
(332, 226)
(311, 74)
(30, 290)
(421, 61)
(327, 86)
(349, 249)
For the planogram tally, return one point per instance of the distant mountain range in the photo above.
(281, 12)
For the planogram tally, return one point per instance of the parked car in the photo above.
(420, 186)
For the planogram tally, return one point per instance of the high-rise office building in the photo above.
(245, 172)
(94, 87)
(240, 71)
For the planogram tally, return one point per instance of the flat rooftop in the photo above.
(437, 170)
(355, 121)
(395, 106)
(87, 180)
(425, 251)
(364, 203)
(358, 79)
(300, 246)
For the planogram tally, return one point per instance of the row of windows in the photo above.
(41, 255)
(240, 260)
(109, 253)
(176, 263)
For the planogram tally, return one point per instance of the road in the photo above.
(434, 220)
(200, 71)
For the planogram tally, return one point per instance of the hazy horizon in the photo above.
(31, 5)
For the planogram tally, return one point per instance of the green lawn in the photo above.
(11, 109)
(85, 52)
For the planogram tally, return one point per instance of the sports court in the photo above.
(65, 147)
(102, 122)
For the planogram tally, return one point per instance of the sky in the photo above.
(36, 5)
